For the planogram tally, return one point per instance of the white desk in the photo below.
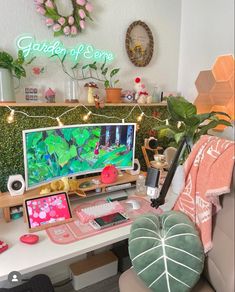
(26, 258)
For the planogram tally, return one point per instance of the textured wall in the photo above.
(107, 32)
(11, 151)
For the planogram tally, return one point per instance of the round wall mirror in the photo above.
(139, 43)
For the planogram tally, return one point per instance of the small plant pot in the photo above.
(113, 95)
(6, 86)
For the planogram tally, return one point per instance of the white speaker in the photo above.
(16, 185)
(136, 168)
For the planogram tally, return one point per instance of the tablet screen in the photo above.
(47, 209)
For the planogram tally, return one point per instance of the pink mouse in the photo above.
(29, 238)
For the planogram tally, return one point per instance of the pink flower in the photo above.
(39, 1)
(36, 70)
(81, 13)
(89, 7)
(49, 4)
(49, 22)
(74, 30)
(61, 20)
(56, 27)
(81, 2)
(66, 30)
(82, 24)
(71, 20)
(41, 10)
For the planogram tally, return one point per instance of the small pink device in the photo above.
(3, 246)
(29, 238)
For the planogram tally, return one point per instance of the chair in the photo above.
(38, 283)
(218, 273)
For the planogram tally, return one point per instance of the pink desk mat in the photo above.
(76, 230)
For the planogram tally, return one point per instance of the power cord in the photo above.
(63, 283)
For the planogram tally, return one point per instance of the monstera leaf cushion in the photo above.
(166, 251)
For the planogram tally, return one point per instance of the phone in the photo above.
(108, 220)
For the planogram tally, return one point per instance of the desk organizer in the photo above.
(74, 231)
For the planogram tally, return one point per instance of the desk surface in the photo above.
(26, 258)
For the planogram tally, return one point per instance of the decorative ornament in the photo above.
(139, 44)
(141, 95)
(109, 174)
(50, 95)
(65, 25)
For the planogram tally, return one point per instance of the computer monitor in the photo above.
(53, 153)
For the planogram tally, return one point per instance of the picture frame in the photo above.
(139, 43)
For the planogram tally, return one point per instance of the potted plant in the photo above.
(185, 122)
(9, 68)
(113, 94)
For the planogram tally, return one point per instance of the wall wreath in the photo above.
(65, 25)
(139, 43)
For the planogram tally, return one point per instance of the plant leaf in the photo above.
(106, 84)
(114, 72)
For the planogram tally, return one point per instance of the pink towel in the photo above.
(208, 173)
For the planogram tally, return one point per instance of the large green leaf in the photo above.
(166, 251)
(180, 108)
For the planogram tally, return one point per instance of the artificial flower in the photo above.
(61, 20)
(39, 1)
(66, 30)
(81, 2)
(71, 20)
(81, 13)
(49, 4)
(89, 7)
(82, 24)
(41, 10)
(74, 30)
(56, 27)
(49, 21)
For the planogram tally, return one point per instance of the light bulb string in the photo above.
(90, 113)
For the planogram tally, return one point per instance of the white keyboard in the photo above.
(90, 213)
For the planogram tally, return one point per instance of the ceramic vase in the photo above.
(6, 86)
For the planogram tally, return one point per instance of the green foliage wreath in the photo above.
(65, 25)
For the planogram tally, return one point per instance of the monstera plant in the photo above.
(184, 121)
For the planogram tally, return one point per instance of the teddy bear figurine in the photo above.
(141, 95)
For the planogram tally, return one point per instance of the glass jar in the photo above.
(71, 90)
(141, 189)
(155, 95)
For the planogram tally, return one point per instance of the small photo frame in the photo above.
(47, 210)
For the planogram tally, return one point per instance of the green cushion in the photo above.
(166, 251)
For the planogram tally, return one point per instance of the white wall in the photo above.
(111, 20)
(207, 31)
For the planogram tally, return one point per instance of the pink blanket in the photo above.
(208, 173)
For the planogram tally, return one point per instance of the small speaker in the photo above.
(136, 168)
(16, 185)
(153, 176)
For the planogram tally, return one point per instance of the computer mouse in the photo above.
(134, 204)
(29, 238)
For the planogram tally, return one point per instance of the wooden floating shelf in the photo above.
(67, 104)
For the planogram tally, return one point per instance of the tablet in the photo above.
(47, 210)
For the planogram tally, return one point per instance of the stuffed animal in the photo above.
(141, 95)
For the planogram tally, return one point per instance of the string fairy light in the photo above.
(60, 124)
(13, 112)
(140, 117)
(86, 117)
(11, 117)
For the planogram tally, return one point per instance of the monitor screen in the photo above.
(53, 153)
